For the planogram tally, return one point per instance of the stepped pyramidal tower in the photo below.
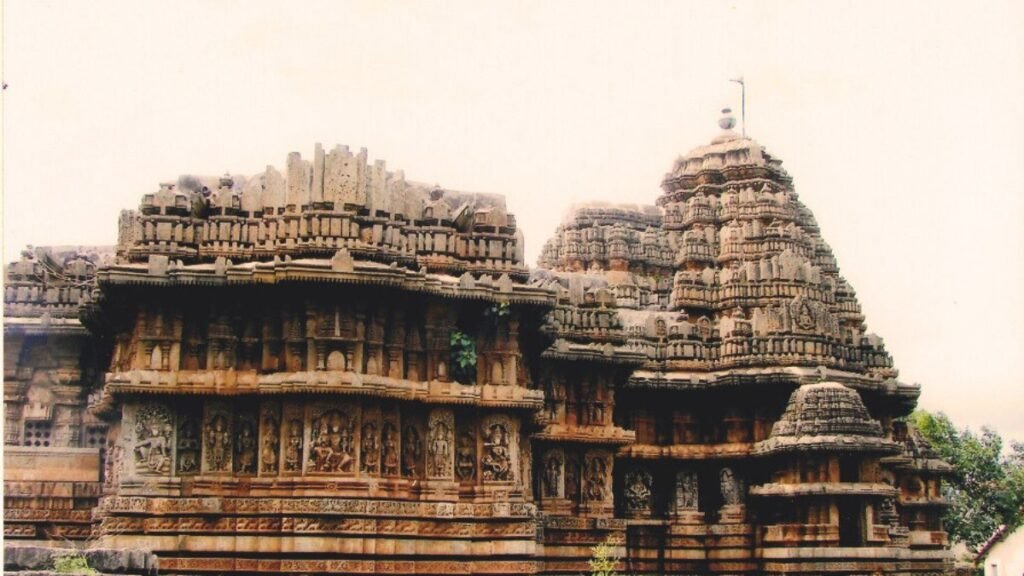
(333, 369)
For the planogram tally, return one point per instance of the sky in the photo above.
(900, 123)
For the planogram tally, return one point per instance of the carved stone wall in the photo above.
(330, 369)
(54, 448)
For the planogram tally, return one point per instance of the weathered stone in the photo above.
(29, 557)
(341, 371)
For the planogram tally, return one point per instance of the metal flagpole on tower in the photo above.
(743, 103)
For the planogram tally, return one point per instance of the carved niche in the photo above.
(217, 438)
(637, 491)
(440, 443)
(189, 443)
(596, 477)
(294, 438)
(390, 445)
(552, 479)
(246, 443)
(686, 495)
(572, 478)
(526, 466)
(332, 439)
(114, 463)
(412, 450)
(270, 438)
(732, 488)
(496, 465)
(465, 456)
(369, 441)
(154, 431)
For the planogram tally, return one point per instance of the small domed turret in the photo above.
(826, 416)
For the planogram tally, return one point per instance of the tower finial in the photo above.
(743, 103)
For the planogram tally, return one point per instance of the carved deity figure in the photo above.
(269, 446)
(153, 431)
(152, 449)
(804, 317)
(293, 450)
(465, 457)
(572, 479)
(389, 449)
(552, 476)
(246, 449)
(732, 488)
(370, 449)
(112, 466)
(686, 490)
(704, 328)
(497, 460)
(439, 448)
(332, 444)
(188, 446)
(638, 490)
(218, 444)
(411, 452)
(596, 480)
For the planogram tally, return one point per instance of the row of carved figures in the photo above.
(585, 477)
(320, 438)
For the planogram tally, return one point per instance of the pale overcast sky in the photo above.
(899, 121)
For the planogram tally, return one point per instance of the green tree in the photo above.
(463, 357)
(987, 485)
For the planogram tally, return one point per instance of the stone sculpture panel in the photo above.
(412, 447)
(596, 477)
(217, 438)
(189, 441)
(151, 444)
(370, 441)
(552, 475)
(333, 437)
(499, 448)
(270, 438)
(637, 485)
(293, 433)
(686, 491)
(390, 443)
(246, 442)
(441, 444)
(733, 491)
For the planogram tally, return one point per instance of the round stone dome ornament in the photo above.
(727, 121)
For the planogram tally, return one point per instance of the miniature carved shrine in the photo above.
(336, 370)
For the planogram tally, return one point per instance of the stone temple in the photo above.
(333, 369)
